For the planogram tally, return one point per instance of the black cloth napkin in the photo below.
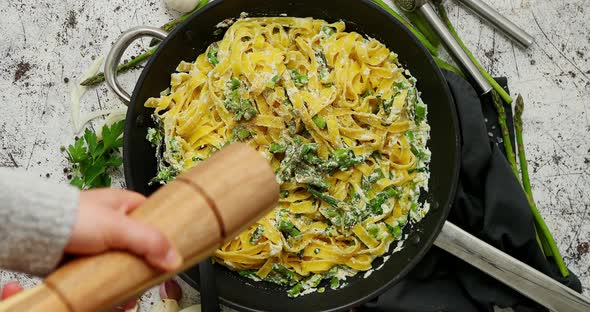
(489, 204)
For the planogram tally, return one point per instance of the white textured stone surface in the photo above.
(57, 39)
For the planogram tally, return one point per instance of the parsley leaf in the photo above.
(92, 158)
(299, 79)
(212, 55)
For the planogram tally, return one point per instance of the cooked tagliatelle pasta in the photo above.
(341, 123)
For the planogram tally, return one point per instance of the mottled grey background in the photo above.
(46, 45)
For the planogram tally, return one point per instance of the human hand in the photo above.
(102, 224)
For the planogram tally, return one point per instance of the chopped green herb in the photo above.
(328, 31)
(319, 121)
(321, 290)
(242, 108)
(367, 92)
(329, 231)
(332, 272)
(273, 81)
(277, 148)
(420, 113)
(373, 230)
(287, 102)
(402, 221)
(277, 279)
(334, 282)
(367, 181)
(376, 202)
(249, 111)
(377, 155)
(306, 174)
(154, 136)
(212, 55)
(387, 106)
(420, 154)
(240, 133)
(284, 194)
(234, 83)
(332, 214)
(401, 84)
(393, 58)
(352, 217)
(166, 174)
(316, 251)
(395, 231)
(299, 79)
(195, 158)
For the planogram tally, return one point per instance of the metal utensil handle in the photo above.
(499, 21)
(510, 271)
(453, 46)
(114, 57)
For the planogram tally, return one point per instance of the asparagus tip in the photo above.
(497, 100)
(519, 107)
(86, 82)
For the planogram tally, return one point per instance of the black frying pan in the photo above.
(193, 36)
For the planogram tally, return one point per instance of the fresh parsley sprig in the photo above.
(92, 158)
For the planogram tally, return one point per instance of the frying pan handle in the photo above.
(114, 57)
(510, 271)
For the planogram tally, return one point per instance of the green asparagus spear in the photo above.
(444, 16)
(547, 238)
(424, 27)
(431, 48)
(98, 78)
(505, 134)
(289, 228)
(170, 25)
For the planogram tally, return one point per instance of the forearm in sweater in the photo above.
(36, 220)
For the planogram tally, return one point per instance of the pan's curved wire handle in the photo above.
(510, 271)
(114, 57)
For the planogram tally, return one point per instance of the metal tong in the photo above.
(425, 8)
(500, 22)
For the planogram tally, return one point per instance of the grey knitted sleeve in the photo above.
(36, 220)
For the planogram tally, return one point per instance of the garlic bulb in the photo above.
(193, 308)
(166, 305)
(170, 290)
(182, 6)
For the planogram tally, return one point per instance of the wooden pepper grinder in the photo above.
(202, 208)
